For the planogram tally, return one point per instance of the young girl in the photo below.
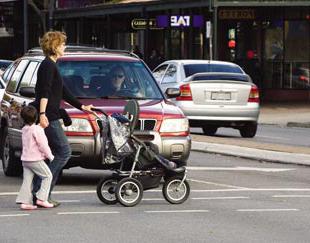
(35, 151)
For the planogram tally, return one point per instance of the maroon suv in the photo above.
(86, 72)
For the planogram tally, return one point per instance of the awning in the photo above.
(128, 6)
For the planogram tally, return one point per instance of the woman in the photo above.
(49, 93)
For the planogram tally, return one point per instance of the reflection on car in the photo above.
(4, 64)
(213, 94)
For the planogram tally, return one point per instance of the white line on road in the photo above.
(68, 201)
(279, 138)
(217, 198)
(178, 211)
(268, 210)
(14, 215)
(284, 196)
(78, 213)
(153, 199)
(238, 189)
(238, 168)
(217, 184)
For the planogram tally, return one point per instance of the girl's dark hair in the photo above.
(29, 114)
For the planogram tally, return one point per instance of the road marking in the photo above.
(153, 199)
(68, 201)
(268, 210)
(73, 192)
(178, 211)
(238, 168)
(284, 196)
(78, 213)
(217, 198)
(217, 184)
(14, 215)
(237, 189)
(279, 138)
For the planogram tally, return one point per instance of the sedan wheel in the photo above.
(249, 130)
(209, 130)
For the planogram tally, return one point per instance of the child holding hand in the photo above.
(35, 151)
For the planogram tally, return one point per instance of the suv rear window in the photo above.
(92, 79)
(191, 69)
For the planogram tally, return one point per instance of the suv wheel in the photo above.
(10, 164)
(249, 130)
(209, 130)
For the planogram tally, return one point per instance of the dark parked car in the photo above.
(86, 72)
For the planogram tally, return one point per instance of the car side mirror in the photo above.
(173, 92)
(27, 92)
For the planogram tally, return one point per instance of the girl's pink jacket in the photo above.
(35, 144)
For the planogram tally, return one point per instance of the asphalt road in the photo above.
(232, 200)
(267, 134)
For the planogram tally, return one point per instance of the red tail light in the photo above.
(303, 78)
(254, 94)
(186, 93)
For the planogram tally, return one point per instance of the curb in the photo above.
(251, 153)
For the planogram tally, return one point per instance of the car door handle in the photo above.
(11, 101)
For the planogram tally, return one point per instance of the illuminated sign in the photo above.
(180, 21)
(141, 24)
(237, 14)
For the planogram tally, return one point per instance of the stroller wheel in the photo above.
(106, 190)
(129, 191)
(175, 191)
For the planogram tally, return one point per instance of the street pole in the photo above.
(25, 17)
(50, 14)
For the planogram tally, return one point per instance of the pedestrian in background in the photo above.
(35, 151)
(49, 92)
(136, 50)
(154, 59)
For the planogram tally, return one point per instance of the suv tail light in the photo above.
(254, 94)
(186, 93)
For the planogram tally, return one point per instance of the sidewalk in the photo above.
(281, 114)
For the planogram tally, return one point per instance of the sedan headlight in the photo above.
(78, 125)
(174, 125)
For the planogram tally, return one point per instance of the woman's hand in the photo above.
(87, 108)
(43, 121)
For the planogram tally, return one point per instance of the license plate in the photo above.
(220, 96)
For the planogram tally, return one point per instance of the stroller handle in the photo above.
(95, 110)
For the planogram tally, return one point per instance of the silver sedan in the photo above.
(213, 94)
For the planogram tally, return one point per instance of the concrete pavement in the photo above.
(280, 114)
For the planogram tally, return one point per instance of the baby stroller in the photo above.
(136, 166)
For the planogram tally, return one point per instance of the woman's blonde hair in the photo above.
(51, 40)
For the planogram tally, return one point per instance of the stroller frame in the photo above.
(127, 186)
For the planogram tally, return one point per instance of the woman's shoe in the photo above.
(44, 204)
(24, 206)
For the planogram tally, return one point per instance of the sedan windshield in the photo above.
(191, 69)
(108, 79)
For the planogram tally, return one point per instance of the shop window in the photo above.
(297, 53)
(273, 53)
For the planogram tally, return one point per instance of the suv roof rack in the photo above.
(84, 48)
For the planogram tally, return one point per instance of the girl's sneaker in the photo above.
(44, 204)
(24, 206)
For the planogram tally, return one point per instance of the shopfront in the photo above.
(272, 43)
(125, 26)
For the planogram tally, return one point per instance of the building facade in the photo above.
(269, 39)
